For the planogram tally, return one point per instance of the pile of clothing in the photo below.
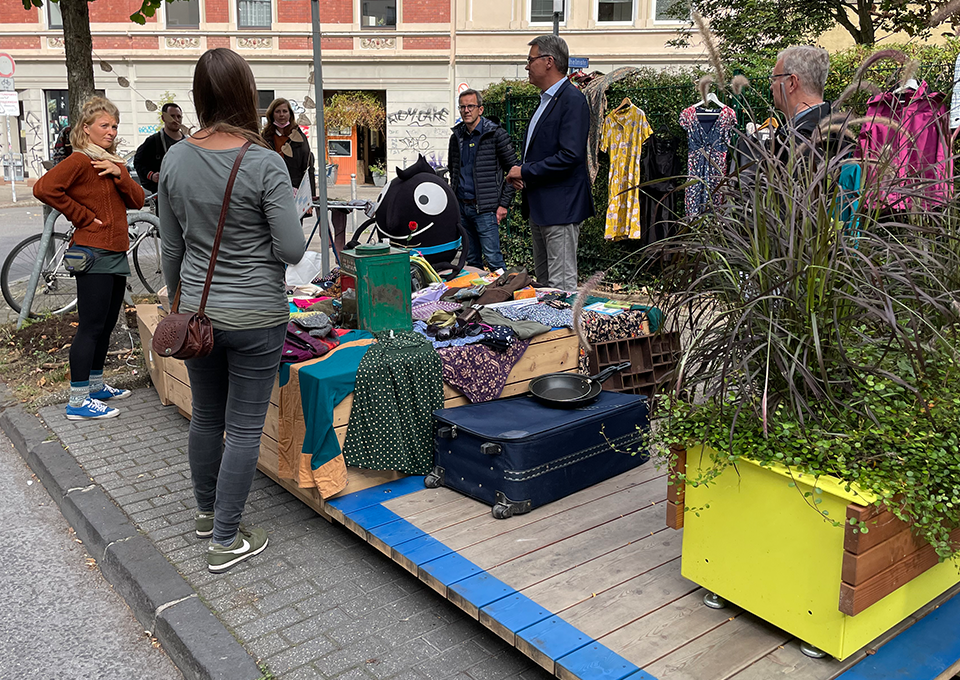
(309, 336)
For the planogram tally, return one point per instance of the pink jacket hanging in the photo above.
(917, 153)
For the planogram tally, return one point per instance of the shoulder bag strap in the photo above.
(223, 218)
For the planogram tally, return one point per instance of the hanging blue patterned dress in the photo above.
(707, 156)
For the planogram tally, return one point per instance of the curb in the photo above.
(160, 599)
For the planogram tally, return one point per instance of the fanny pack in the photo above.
(78, 259)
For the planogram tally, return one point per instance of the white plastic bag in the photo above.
(304, 271)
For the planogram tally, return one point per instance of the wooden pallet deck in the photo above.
(590, 587)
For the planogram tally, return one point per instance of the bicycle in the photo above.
(57, 289)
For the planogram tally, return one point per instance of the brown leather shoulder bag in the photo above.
(190, 336)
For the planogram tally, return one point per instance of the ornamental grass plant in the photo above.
(820, 322)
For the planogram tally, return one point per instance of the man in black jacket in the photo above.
(150, 154)
(480, 155)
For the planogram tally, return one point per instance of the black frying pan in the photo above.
(569, 390)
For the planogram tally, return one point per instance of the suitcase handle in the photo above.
(490, 449)
(447, 432)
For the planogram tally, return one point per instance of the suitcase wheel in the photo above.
(502, 511)
(434, 479)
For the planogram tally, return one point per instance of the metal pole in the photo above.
(34, 279)
(556, 23)
(13, 169)
(321, 136)
(353, 197)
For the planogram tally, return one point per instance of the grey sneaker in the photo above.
(249, 542)
(204, 522)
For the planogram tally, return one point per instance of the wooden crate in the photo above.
(652, 359)
(147, 320)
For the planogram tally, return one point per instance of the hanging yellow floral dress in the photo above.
(622, 137)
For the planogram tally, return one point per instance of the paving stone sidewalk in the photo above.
(319, 602)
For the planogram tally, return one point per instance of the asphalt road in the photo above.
(61, 619)
(17, 224)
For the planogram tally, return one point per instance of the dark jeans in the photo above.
(99, 297)
(231, 392)
(484, 235)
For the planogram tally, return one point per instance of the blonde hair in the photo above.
(92, 109)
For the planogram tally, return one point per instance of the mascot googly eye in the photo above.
(418, 211)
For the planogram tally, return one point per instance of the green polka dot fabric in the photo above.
(399, 386)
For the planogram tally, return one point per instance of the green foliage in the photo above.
(909, 455)
(823, 335)
(745, 27)
(346, 109)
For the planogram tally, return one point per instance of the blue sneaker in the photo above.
(90, 410)
(110, 393)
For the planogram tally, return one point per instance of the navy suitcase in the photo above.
(517, 454)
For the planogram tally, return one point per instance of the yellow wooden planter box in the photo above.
(762, 546)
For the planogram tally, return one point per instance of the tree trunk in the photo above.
(78, 46)
(867, 32)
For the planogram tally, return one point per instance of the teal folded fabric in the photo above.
(323, 386)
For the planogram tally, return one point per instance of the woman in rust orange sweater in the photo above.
(93, 189)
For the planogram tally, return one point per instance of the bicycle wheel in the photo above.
(56, 290)
(146, 257)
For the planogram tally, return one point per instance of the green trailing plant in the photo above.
(344, 110)
(822, 333)
(378, 169)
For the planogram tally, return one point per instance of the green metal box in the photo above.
(375, 288)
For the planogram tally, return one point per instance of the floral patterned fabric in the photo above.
(480, 372)
(622, 137)
(707, 155)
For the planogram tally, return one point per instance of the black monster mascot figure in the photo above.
(418, 211)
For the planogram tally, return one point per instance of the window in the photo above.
(615, 10)
(541, 12)
(254, 14)
(54, 20)
(378, 13)
(666, 10)
(183, 14)
(264, 99)
(339, 147)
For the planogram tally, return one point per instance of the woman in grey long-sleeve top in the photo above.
(231, 386)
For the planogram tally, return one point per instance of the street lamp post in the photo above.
(557, 10)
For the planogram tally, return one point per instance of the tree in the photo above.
(78, 45)
(744, 27)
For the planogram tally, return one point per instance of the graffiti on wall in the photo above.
(418, 130)
(35, 155)
(415, 116)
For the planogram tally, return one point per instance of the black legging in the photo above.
(99, 297)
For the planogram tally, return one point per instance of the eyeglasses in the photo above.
(778, 75)
(468, 107)
(530, 60)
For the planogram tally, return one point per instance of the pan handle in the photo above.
(609, 371)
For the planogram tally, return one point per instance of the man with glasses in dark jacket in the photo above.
(480, 155)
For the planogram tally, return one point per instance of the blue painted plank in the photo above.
(377, 494)
(921, 652)
(374, 516)
(482, 589)
(554, 637)
(516, 612)
(597, 662)
(393, 533)
(450, 568)
(422, 550)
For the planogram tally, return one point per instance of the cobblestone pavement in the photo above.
(319, 602)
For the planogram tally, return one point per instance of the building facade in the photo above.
(413, 55)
